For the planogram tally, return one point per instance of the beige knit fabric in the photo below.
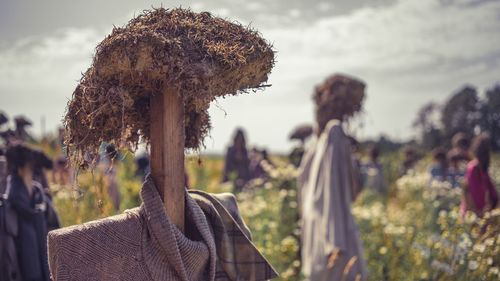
(143, 244)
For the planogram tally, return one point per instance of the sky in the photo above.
(407, 52)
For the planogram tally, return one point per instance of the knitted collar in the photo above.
(182, 254)
(228, 245)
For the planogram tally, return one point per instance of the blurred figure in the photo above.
(8, 137)
(3, 119)
(411, 158)
(439, 169)
(21, 123)
(27, 199)
(41, 162)
(256, 168)
(61, 173)
(301, 133)
(3, 172)
(237, 163)
(461, 144)
(142, 163)
(110, 168)
(457, 170)
(356, 162)
(9, 265)
(3, 164)
(143, 169)
(480, 195)
(330, 238)
(372, 171)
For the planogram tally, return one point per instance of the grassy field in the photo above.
(414, 233)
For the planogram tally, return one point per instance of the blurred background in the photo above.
(408, 52)
(432, 74)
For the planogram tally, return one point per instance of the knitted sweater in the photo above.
(143, 244)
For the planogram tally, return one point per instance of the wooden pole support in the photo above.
(167, 138)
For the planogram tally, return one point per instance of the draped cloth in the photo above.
(479, 184)
(143, 244)
(326, 185)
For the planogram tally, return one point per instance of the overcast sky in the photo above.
(408, 53)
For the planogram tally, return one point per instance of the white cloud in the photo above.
(198, 6)
(222, 12)
(408, 53)
(255, 6)
(38, 74)
(325, 6)
(294, 13)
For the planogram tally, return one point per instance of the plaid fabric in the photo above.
(237, 257)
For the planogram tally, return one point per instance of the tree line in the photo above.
(466, 111)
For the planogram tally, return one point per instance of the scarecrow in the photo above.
(3, 118)
(331, 245)
(237, 162)
(21, 123)
(153, 80)
(301, 133)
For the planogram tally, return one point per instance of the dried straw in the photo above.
(339, 97)
(348, 267)
(200, 56)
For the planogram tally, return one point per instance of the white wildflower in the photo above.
(495, 212)
(489, 241)
(442, 213)
(479, 248)
(473, 265)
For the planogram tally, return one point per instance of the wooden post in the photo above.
(167, 152)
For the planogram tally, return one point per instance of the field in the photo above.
(414, 233)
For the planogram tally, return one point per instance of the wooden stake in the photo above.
(167, 152)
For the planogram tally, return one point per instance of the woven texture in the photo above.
(143, 244)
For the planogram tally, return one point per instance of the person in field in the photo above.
(42, 162)
(458, 165)
(439, 170)
(21, 124)
(356, 162)
(237, 163)
(299, 134)
(331, 246)
(3, 164)
(3, 172)
(480, 195)
(461, 143)
(257, 157)
(109, 167)
(26, 197)
(411, 157)
(372, 171)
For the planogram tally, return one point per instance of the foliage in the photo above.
(459, 112)
(491, 112)
(416, 232)
(419, 234)
(270, 208)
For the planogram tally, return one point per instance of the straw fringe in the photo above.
(201, 56)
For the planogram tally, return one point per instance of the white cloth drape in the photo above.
(327, 223)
